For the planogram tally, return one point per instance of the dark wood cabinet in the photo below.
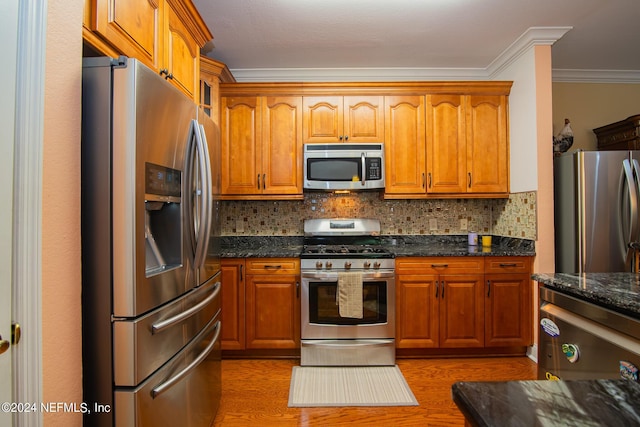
(439, 302)
(508, 306)
(458, 304)
(622, 135)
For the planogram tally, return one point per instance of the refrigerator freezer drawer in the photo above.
(184, 392)
(143, 345)
(573, 347)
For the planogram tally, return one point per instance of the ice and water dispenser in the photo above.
(163, 224)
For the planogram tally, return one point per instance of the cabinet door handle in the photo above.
(340, 137)
(346, 137)
(488, 288)
(241, 268)
(469, 179)
(443, 284)
(264, 181)
(258, 181)
(297, 289)
(437, 284)
(423, 180)
(429, 179)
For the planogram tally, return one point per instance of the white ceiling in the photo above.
(263, 38)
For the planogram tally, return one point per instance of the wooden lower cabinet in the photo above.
(233, 302)
(463, 302)
(508, 308)
(436, 305)
(261, 304)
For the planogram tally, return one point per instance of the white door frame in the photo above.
(27, 248)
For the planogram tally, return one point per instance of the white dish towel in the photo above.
(349, 295)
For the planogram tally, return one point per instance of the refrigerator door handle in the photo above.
(630, 235)
(183, 373)
(202, 242)
(167, 323)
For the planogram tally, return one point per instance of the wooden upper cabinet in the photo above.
(405, 145)
(240, 136)
(282, 145)
(132, 26)
(343, 119)
(487, 144)
(181, 56)
(446, 144)
(261, 147)
(166, 35)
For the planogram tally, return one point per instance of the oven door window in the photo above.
(323, 308)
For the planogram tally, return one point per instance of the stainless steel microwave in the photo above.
(343, 166)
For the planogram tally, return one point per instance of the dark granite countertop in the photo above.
(617, 291)
(549, 403)
(291, 246)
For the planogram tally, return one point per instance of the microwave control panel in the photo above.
(374, 168)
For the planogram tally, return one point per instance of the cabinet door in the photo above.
(273, 312)
(446, 144)
(323, 119)
(487, 144)
(233, 301)
(416, 311)
(282, 145)
(181, 56)
(133, 26)
(405, 159)
(240, 130)
(508, 310)
(363, 119)
(461, 311)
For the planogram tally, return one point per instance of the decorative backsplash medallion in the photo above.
(512, 217)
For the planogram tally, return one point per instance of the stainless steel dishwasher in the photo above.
(581, 340)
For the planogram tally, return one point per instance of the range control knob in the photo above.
(376, 265)
(347, 265)
(318, 265)
(367, 264)
(329, 265)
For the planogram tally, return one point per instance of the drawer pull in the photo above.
(513, 264)
(439, 265)
(272, 267)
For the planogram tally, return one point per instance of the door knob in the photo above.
(4, 345)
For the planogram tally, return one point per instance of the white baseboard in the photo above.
(532, 353)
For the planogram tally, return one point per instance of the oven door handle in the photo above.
(333, 277)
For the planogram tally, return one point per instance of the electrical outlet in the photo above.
(239, 226)
(463, 224)
(433, 224)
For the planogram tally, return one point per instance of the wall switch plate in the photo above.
(463, 224)
(433, 224)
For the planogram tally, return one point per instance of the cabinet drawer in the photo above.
(507, 264)
(273, 266)
(440, 265)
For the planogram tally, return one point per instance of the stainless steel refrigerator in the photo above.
(150, 251)
(597, 224)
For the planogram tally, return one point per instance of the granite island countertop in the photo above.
(549, 403)
(619, 292)
(291, 246)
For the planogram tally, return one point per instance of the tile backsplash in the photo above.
(512, 217)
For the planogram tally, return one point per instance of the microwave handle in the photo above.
(364, 170)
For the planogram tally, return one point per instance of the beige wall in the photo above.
(591, 105)
(61, 280)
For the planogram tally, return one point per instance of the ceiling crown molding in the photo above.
(531, 37)
(534, 36)
(595, 76)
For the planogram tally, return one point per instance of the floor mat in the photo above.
(349, 386)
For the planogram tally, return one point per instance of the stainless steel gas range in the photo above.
(348, 294)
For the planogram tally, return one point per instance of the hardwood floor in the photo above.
(256, 392)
